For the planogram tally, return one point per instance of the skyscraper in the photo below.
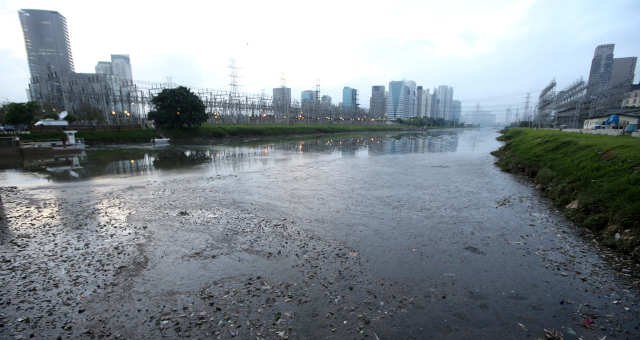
(445, 101)
(49, 54)
(121, 66)
(456, 110)
(308, 97)
(622, 72)
(377, 104)
(104, 67)
(401, 102)
(325, 101)
(422, 100)
(281, 100)
(601, 68)
(349, 99)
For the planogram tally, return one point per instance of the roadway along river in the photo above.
(370, 237)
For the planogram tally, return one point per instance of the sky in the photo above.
(492, 52)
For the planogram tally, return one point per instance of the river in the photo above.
(389, 236)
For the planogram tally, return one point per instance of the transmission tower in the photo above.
(234, 94)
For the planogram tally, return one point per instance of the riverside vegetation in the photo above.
(212, 131)
(594, 179)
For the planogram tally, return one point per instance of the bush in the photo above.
(544, 177)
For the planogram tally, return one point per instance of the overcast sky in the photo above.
(491, 52)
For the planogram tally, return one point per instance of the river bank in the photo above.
(593, 179)
(209, 132)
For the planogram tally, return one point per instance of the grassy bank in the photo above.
(261, 130)
(99, 137)
(594, 179)
(214, 131)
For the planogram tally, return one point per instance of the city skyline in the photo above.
(428, 59)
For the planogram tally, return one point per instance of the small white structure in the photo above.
(51, 122)
(160, 141)
(71, 136)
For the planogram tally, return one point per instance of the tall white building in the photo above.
(444, 94)
(422, 102)
(428, 109)
(401, 100)
(377, 103)
(48, 54)
(119, 67)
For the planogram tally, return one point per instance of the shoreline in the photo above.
(227, 133)
(587, 177)
(208, 133)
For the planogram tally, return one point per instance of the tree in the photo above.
(175, 108)
(3, 111)
(20, 113)
(86, 112)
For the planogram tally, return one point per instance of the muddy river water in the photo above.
(384, 236)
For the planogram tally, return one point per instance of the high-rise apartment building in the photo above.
(349, 99)
(445, 101)
(49, 54)
(428, 107)
(401, 102)
(422, 102)
(377, 103)
(601, 68)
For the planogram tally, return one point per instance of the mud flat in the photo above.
(406, 236)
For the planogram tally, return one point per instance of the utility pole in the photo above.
(316, 104)
(526, 110)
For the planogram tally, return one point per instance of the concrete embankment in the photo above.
(594, 179)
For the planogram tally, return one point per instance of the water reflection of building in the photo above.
(230, 159)
(131, 166)
(420, 144)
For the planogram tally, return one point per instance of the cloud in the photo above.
(15, 77)
(483, 49)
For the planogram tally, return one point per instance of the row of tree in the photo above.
(25, 114)
(428, 121)
(19, 113)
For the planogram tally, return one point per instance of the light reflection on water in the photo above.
(145, 160)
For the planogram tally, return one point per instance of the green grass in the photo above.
(213, 131)
(260, 130)
(601, 172)
(118, 137)
(98, 136)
